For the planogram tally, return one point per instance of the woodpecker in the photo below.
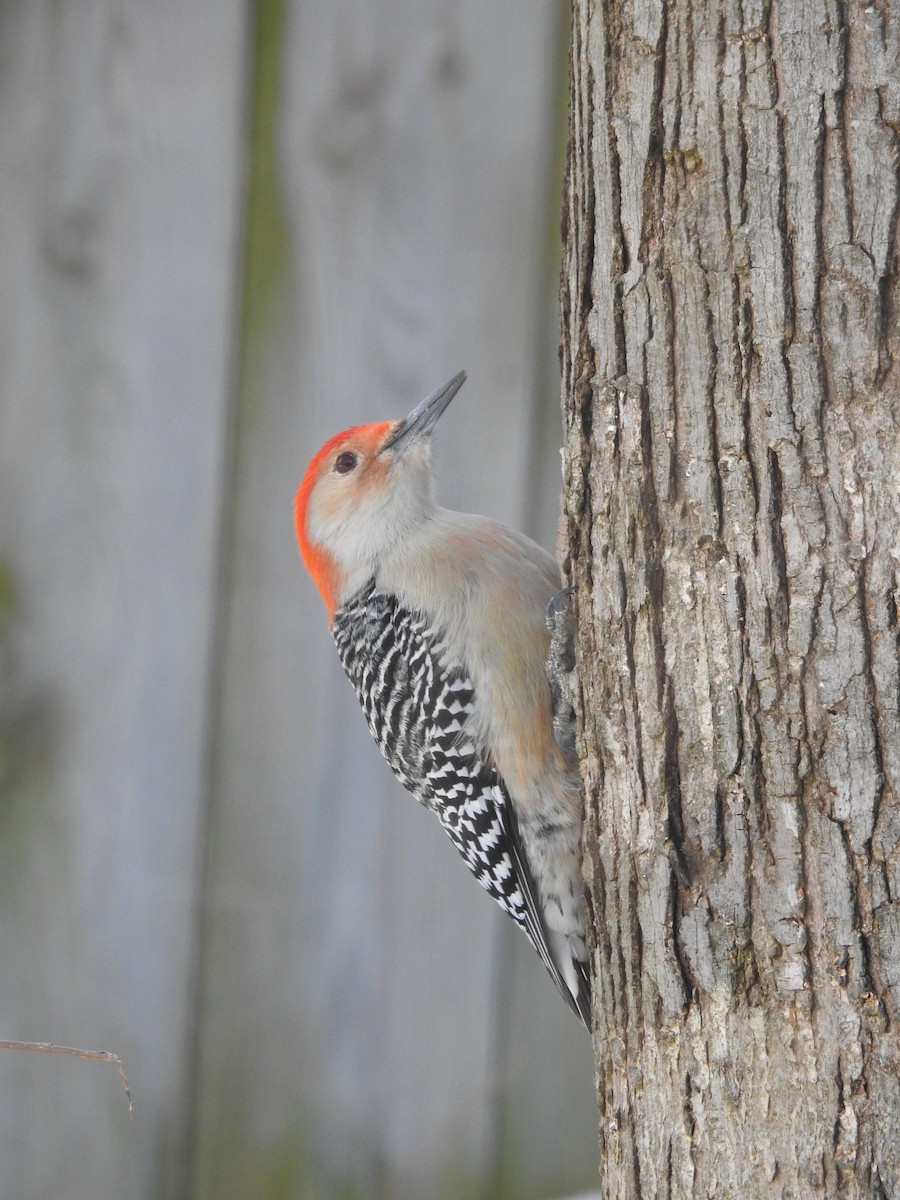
(440, 623)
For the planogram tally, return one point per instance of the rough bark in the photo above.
(732, 399)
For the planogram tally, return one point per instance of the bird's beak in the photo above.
(423, 417)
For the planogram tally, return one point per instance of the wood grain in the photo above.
(227, 231)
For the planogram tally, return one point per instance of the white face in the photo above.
(363, 505)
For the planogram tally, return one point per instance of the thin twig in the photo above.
(97, 1055)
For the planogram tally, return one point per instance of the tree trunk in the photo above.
(730, 375)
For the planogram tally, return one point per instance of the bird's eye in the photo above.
(345, 462)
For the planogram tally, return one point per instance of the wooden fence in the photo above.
(227, 231)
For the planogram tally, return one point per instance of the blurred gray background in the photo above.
(228, 230)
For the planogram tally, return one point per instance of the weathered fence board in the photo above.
(120, 142)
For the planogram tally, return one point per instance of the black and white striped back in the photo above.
(417, 707)
(417, 703)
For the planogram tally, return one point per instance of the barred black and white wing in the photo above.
(417, 704)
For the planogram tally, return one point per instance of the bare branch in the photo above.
(73, 1052)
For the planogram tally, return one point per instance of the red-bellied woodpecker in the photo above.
(439, 620)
